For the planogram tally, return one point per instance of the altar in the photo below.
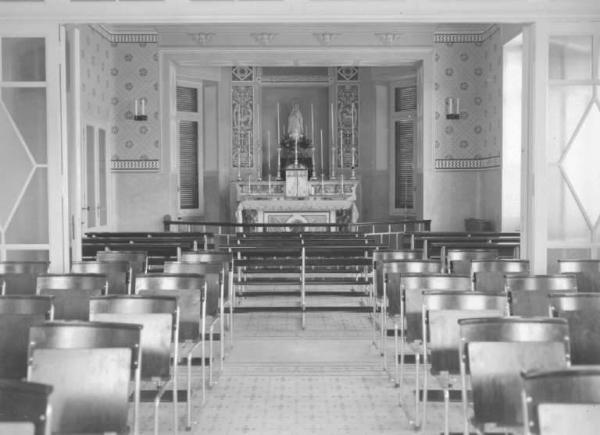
(328, 201)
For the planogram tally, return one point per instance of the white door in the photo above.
(32, 198)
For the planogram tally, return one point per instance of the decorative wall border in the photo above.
(125, 38)
(465, 37)
(135, 165)
(476, 163)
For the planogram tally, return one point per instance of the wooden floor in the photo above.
(325, 379)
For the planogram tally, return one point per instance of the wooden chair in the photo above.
(495, 352)
(552, 396)
(159, 316)
(405, 309)
(71, 293)
(117, 274)
(529, 294)
(18, 277)
(190, 290)
(458, 261)
(89, 365)
(17, 315)
(488, 275)
(587, 273)
(215, 296)
(582, 312)
(24, 408)
(419, 267)
(138, 262)
(441, 336)
(225, 261)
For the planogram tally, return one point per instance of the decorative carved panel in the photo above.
(242, 74)
(347, 123)
(242, 114)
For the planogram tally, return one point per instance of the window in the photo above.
(403, 122)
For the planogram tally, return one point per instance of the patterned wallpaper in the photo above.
(113, 75)
(135, 72)
(470, 71)
(97, 84)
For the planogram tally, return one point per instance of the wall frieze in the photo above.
(135, 165)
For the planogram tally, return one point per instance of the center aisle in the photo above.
(280, 379)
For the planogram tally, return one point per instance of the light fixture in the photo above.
(139, 113)
(452, 108)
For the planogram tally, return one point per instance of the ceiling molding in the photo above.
(125, 37)
(465, 37)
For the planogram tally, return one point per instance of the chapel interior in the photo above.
(330, 201)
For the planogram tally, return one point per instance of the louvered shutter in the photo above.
(404, 139)
(188, 165)
(187, 99)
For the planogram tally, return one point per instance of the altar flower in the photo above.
(288, 143)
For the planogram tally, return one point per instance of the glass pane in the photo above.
(102, 200)
(30, 222)
(23, 59)
(566, 107)
(27, 255)
(570, 57)
(90, 175)
(27, 107)
(581, 164)
(15, 166)
(565, 221)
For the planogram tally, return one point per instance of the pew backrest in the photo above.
(587, 272)
(529, 293)
(25, 402)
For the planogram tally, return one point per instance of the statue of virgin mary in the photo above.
(295, 122)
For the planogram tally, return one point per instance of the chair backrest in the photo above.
(458, 261)
(205, 257)
(116, 272)
(381, 257)
(529, 294)
(18, 277)
(25, 402)
(488, 275)
(441, 312)
(587, 272)
(405, 296)
(90, 365)
(582, 312)
(189, 288)
(17, 315)
(71, 292)
(159, 316)
(138, 261)
(496, 350)
(573, 385)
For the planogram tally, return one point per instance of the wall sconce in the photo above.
(452, 108)
(139, 113)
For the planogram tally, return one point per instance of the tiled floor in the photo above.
(325, 379)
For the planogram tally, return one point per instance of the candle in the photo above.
(278, 130)
(321, 152)
(353, 150)
(341, 150)
(135, 110)
(312, 125)
(342, 184)
(143, 108)
(269, 152)
(332, 134)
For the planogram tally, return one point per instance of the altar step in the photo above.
(291, 302)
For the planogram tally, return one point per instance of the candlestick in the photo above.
(341, 150)
(322, 154)
(332, 162)
(332, 134)
(342, 184)
(314, 171)
(352, 143)
(312, 125)
(353, 174)
(296, 151)
(278, 178)
(269, 151)
(239, 160)
(249, 189)
(269, 184)
(278, 130)
(239, 141)
(322, 185)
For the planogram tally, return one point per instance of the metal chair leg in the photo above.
(396, 368)
(446, 410)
